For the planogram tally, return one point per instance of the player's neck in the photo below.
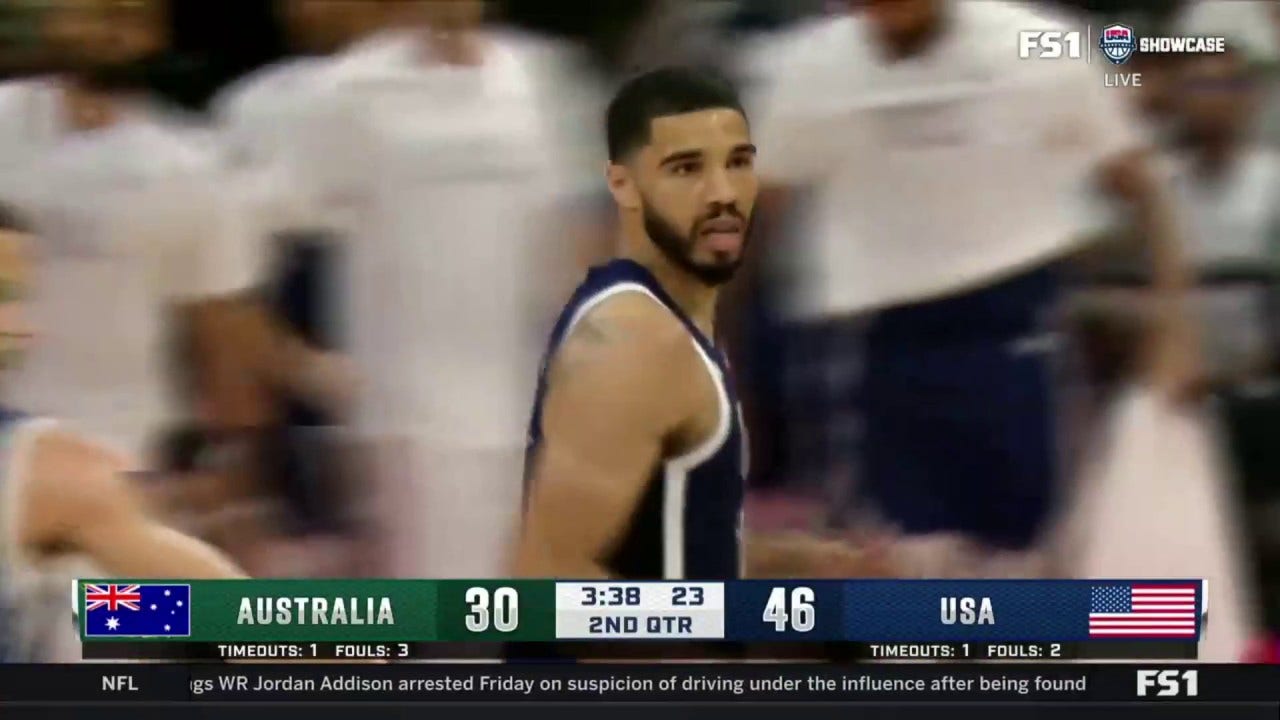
(463, 48)
(693, 296)
(86, 111)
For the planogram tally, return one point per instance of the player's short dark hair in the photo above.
(659, 93)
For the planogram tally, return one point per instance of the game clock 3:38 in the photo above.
(610, 596)
(629, 596)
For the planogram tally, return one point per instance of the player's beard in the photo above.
(679, 247)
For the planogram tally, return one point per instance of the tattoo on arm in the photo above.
(592, 331)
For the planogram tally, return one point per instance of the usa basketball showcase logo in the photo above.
(1118, 43)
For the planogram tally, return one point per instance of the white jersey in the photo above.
(285, 135)
(256, 120)
(34, 121)
(445, 178)
(455, 176)
(256, 113)
(36, 614)
(935, 174)
(1232, 220)
(131, 220)
(30, 124)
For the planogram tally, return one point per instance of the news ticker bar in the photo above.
(395, 611)
(644, 683)
(653, 651)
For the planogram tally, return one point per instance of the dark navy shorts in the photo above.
(959, 412)
(943, 416)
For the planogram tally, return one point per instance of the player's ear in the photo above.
(622, 185)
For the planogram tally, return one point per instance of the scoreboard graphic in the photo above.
(394, 619)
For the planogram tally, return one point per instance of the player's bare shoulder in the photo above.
(627, 357)
(63, 451)
(629, 338)
(70, 476)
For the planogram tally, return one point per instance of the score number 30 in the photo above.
(499, 609)
(790, 611)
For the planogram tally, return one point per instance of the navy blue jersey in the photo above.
(689, 520)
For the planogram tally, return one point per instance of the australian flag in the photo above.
(137, 611)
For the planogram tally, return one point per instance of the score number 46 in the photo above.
(498, 609)
(790, 611)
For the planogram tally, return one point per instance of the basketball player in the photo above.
(1226, 182)
(256, 112)
(636, 458)
(38, 110)
(65, 498)
(430, 146)
(950, 183)
(129, 213)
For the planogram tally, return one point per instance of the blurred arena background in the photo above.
(254, 103)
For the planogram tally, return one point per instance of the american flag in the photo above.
(1140, 611)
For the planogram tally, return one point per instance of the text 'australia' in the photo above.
(316, 611)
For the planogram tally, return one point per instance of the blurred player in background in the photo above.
(129, 214)
(133, 212)
(259, 118)
(256, 112)
(949, 180)
(637, 452)
(1227, 186)
(427, 146)
(89, 195)
(65, 500)
(37, 111)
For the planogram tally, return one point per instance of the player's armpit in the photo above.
(228, 344)
(79, 497)
(616, 396)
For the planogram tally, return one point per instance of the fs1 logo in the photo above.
(1118, 43)
(1169, 683)
(1049, 44)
